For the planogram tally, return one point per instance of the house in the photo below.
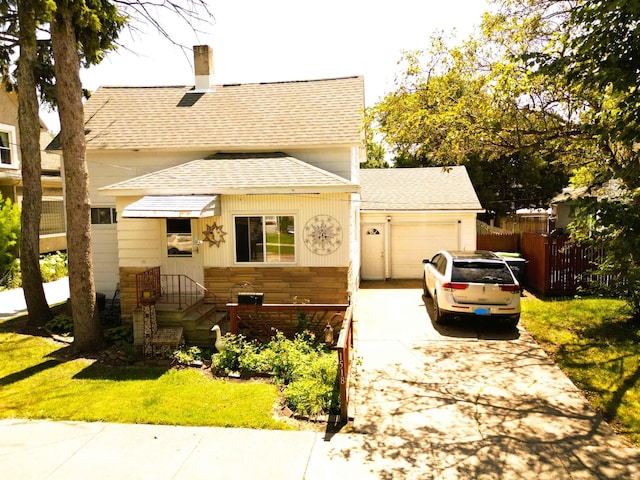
(227, 185)
(408, 214)
(564, 204)
(52, 223)
(222, 188)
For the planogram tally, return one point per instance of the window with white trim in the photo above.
(265, 239)
(8, 152)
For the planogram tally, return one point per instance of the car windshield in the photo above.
(481, 272)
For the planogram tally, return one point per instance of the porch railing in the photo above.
(172, 289)
(148, 285)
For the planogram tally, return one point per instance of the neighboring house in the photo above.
(564, 204)
(52, 223)
(226, 184)
(408, 214)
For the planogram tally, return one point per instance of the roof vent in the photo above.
(203, 65)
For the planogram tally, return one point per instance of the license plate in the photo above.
(482, 311)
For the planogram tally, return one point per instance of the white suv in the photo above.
(472, 283)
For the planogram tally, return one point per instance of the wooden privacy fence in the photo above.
(498, 242)
(557, 266)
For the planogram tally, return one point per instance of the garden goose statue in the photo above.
(220, 346)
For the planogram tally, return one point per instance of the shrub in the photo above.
(61, 324)
(9, 240)
(121, 336)
(187, 355)
(53, 266)
(305, 369)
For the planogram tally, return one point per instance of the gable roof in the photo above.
(429, 188)
(243, 117)
(234, 173)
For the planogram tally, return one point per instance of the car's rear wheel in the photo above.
(440, 317)
(513, 322)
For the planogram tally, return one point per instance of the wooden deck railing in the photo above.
(345, 353)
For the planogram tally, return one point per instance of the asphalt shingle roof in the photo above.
(435, 189)
(243, 117)
(229, 173)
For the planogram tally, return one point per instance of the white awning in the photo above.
(174, 206)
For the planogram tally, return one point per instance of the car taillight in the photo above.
(510, 288)
(455, 286)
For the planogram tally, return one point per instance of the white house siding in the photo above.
(301, 207)
(104, 250)
(395, 243)
(140, 240)
(337, 160)
(106, 168)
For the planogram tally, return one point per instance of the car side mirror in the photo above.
(426, 260)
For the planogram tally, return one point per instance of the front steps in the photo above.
(196, 321)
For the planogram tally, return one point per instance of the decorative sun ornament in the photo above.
(322, 234)
(214, 235)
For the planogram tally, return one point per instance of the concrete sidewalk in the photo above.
(445, 403)
(12, 302)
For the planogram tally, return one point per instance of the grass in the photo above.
(38, 382)
(595, 341)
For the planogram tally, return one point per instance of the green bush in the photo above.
(61, 324)
(53, 266)
(187, 355)
(9, 241)
(121, 336)
(305, 369)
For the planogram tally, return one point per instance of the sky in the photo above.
(279, 40)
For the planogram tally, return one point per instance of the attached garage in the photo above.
(409, 214)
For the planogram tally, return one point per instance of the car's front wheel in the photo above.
(425, 290)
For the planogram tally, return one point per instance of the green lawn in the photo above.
(595, 341)
(37, 382)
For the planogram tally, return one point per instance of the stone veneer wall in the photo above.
(282, 284)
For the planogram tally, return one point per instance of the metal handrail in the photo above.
(172, 289)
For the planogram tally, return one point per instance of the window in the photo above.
(179, 237)
(103, 216)
(481, 272)
(265, 238)
(5, 148)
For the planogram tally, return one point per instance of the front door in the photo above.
(179, 256)
(372, 256)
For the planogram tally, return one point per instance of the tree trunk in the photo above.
(86, 321)
(29, 126)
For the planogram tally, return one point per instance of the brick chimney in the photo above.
(203, 63)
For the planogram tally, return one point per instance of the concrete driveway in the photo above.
(469, 402)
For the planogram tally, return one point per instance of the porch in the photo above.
(180, 302)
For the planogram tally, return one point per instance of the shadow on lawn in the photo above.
(120, 373)
(100, 369)
(28, 372)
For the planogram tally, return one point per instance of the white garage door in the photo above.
(413, 242)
